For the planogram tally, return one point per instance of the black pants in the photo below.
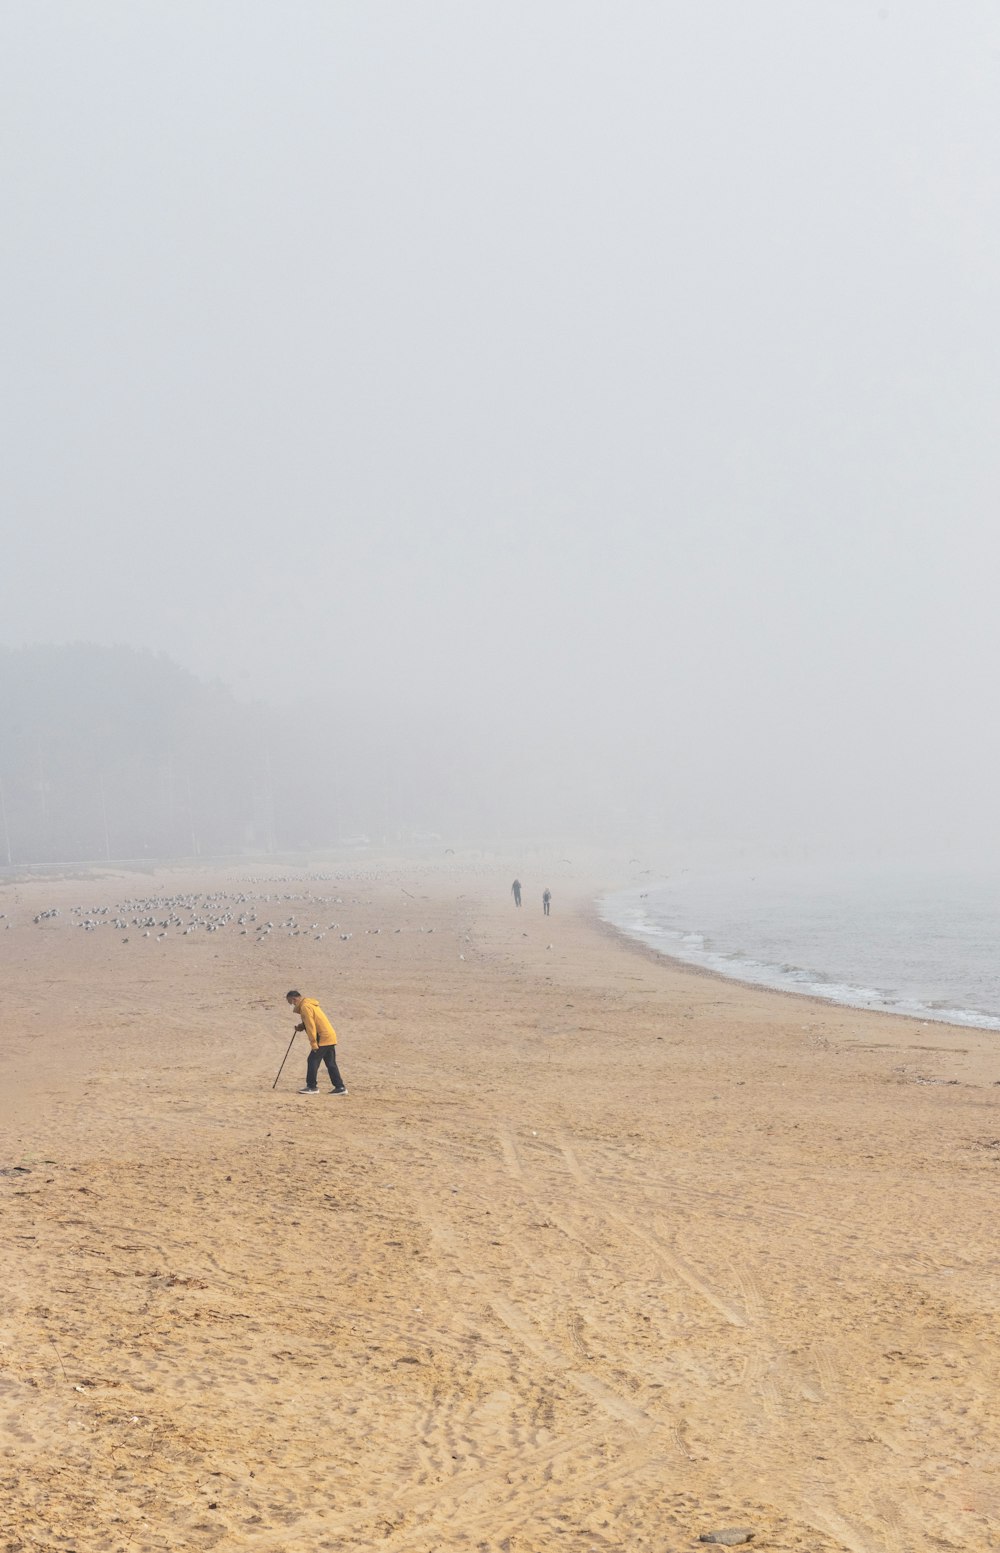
(327, 1054)
(545, 907)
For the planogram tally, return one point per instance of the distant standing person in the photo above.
(515, 890)
(546, 901)
(322, 1043)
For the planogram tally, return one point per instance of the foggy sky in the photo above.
(611, 387)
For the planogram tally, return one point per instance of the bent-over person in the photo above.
(322, 1043)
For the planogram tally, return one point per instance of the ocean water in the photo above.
(924, 942)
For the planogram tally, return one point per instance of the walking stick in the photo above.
(284, 1060)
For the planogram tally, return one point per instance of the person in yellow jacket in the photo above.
(322, 1043)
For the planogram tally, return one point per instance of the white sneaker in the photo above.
(307, 1091)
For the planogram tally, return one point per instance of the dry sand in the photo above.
(600, 1253)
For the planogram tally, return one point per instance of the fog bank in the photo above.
(560, 417)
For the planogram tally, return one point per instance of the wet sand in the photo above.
(599, 1253)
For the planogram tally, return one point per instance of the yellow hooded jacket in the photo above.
(318, 1028)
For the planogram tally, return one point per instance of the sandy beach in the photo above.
(600, 1253)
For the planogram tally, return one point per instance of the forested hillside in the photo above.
(115, 753)
(106, 752)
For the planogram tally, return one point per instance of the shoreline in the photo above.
(985, 1067)
(918, 1012)
(634, 943)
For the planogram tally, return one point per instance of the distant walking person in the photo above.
(322, 1043)
(515, 890)
(546, 901)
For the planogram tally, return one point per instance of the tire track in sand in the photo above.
(766, 1369)
(610, 1402)
(660, 1250)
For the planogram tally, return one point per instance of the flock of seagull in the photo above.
(246, 913)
